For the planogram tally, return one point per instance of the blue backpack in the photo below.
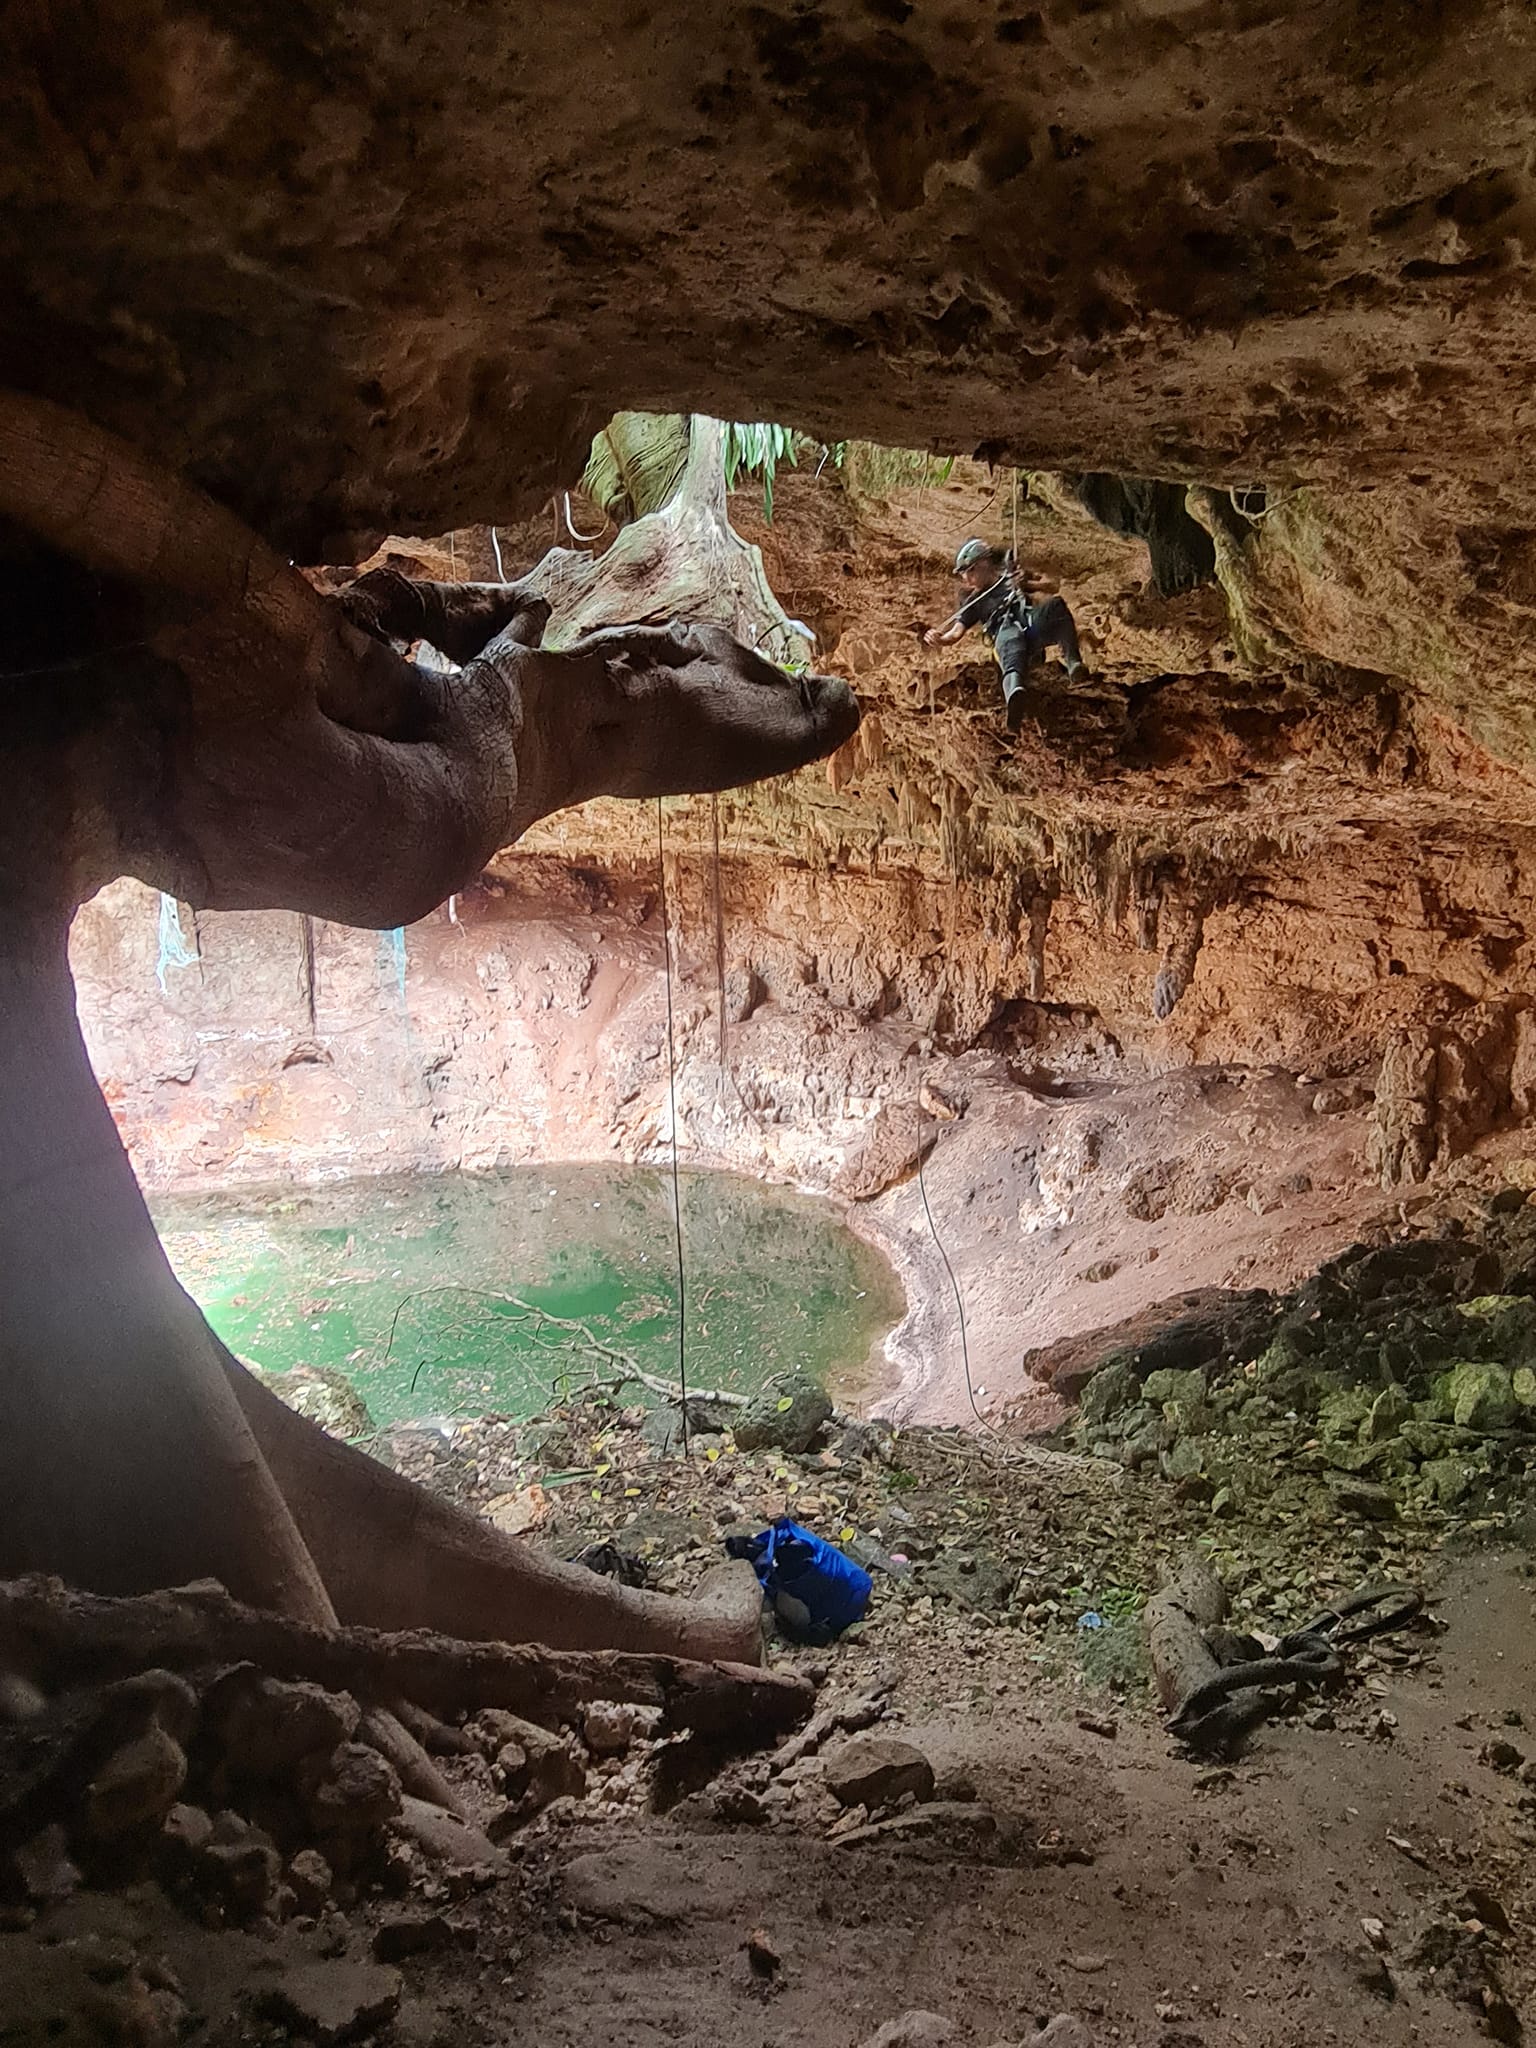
(814, 1590)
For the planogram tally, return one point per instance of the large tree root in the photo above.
(60, 1636)
(393, 1556)
(184, 1736)
(683, 560)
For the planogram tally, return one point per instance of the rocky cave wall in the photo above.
(1202, 859)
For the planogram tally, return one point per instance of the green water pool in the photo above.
(400, 1283)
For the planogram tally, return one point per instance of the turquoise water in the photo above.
(402, 1283)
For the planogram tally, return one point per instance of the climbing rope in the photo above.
(714, 826)
(677, 1199)
(570, 526)
(307, 968)
(954, 1284)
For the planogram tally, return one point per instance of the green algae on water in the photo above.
(394, 1282)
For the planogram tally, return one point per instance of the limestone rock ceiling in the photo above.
(387, 266)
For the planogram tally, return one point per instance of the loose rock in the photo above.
(915, 2029)
(787, 1415)
(875, 1770)
(334, 2001)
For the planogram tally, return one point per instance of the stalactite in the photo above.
(1149, 907)
(173, 950)
(1176, 969)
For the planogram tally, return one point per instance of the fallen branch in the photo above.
(68, 1637)
(1178, 1620)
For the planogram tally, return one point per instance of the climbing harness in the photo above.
(1309, 1656)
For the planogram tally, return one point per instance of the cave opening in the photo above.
(439, 768)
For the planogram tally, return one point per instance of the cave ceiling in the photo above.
(387, 266)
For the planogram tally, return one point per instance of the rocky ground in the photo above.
(984, 1820)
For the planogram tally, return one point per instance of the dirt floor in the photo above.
(1364, 1880)
(1198, 1905)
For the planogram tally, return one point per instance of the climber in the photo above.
(1020, 613)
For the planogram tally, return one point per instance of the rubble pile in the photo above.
(1398, 1385)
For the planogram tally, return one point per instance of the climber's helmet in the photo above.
(971, 552)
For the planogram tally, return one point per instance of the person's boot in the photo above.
(1013, 702)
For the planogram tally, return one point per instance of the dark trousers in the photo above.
(1022, 642)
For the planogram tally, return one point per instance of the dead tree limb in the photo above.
(1176, 1618)
(1180, 1621)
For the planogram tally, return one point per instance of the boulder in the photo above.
(1189, 1418)
(609, 1727)
(1114, 1387)
(979, 1583)
(874, 1770)
(1428, 1439)
(1501, 1326)
(1482, 1396)
(1344, 1412)
(414, 1931)
(1523, 1385)
(1446, 1480)
(1362, 1497)
(334, 2001)
(267, 1726)
(239, 1868)
(1186, 1385)
(310, 1880)
(43, 1864)
(137, 1785)
(1143, 1447)
(1065, 2031)
(1186, 1330)
(1184, 1461)
(350, 1800)
(663, 1426)
(788, 1415)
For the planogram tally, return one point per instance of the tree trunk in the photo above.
(136, 1453)
(221, 729)
(76, 1637)
(1176, 1619)
(123, 1453)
